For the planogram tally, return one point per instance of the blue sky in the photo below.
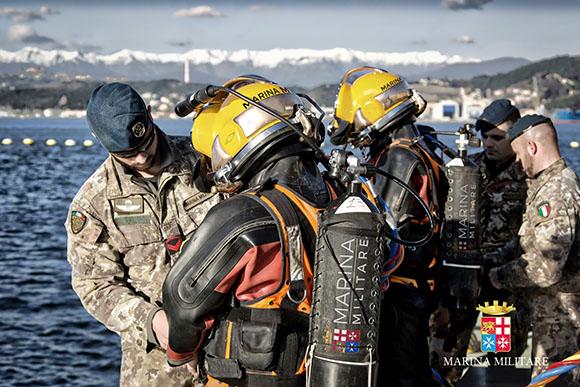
(482, 29)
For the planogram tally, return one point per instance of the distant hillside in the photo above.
(566, 66)
(553, 83)
(482, 69)
(75, 94)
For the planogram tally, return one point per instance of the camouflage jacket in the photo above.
(505, 197)
(123, 236)
(549, 237)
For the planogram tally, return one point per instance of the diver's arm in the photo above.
(237, 239)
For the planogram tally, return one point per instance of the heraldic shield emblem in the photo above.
(495, 327)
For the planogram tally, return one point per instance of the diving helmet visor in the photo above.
(394, 94)
(253, 118)
(389, 99)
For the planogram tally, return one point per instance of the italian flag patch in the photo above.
(544, 210)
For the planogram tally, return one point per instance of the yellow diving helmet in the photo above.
(233, 133)
(371, 101)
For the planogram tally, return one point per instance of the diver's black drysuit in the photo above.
(411, 297)
(233, 293)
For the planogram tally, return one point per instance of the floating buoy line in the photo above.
(50, 142)
(69, 142)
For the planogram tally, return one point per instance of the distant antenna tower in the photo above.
(186, 71)
(536, 91)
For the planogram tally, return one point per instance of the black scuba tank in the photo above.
(344, 321)
(461, 236)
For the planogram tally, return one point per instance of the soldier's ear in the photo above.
(532, 148)
(149, 113)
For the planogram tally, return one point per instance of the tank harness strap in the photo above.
(295, 250)
(284, 317)
(333, 188)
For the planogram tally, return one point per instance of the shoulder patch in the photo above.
(77, 221)
(544, 209)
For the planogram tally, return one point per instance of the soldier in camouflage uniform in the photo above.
(125, 227)
(548, 261)
(505, 194)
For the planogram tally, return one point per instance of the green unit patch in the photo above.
(77, 221)
(131, 220)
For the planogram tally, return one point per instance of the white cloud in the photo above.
(456, 5)
(45, 10)
(200, 11)
(21, 33)
(465, 39)
(25, 15)
(25, 34)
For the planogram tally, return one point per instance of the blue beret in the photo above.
(496, 113)
(117, 116)
(525, 123)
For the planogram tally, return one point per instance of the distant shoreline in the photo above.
(74, 116)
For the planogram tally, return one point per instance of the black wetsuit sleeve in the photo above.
(229, 231)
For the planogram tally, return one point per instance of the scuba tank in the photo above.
(461, 234)
(344, 322)
(357, 248)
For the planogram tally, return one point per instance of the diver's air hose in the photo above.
(408, 188)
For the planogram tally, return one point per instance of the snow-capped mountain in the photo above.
(303, 67)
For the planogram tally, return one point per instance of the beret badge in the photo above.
(138, 130)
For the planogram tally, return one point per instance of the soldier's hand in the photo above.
(493, 278)
(161, 328)
(491, 260)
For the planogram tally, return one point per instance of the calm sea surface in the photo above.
(46, 337)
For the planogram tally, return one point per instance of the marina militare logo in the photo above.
(495, 327)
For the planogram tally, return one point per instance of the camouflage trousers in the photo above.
(139, 368)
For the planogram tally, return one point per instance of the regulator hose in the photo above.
(425, 239)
